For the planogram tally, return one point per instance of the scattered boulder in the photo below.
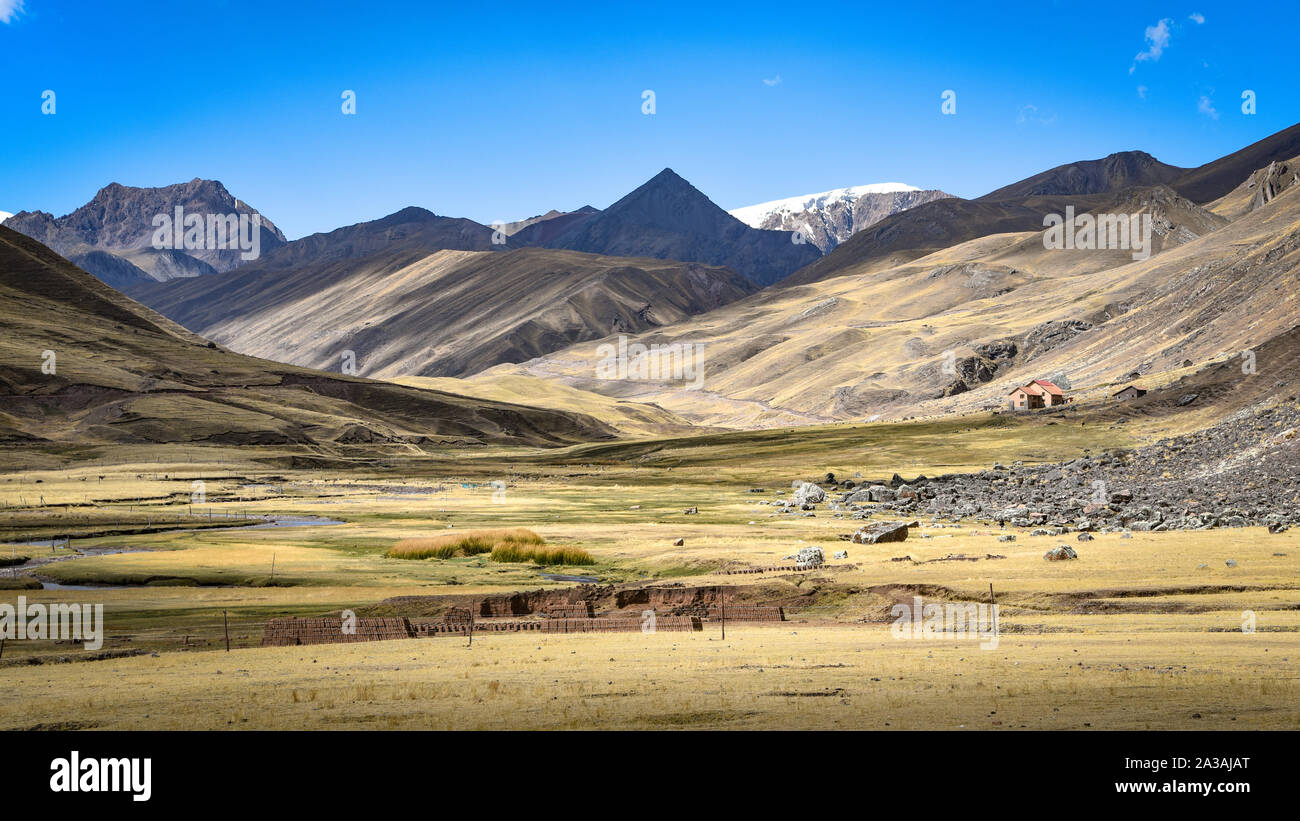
(1084, 537)
(881, 533)
(679, 542)
(841, 554)
(1060, 553)
(809, 494)
(810, 557)
(690, 511)
(1193, 481)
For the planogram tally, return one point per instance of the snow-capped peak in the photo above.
(755, 215)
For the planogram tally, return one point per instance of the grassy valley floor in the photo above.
(1138, 632)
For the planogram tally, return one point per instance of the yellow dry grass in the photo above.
(760, 677)
(449, 545)
(1154, 619)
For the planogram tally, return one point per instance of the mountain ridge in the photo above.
(119, 222)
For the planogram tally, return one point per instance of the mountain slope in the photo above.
(932, 226)
(894, 340)
(831, 217)
(631, 418)
(542, 229)
(1258, 189)
(450, 313)
(1218, 177)
(119, 222)
(82, 365)
(668, 218)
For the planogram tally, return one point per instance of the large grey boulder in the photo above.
(809, 494)
(880, 493)
(880, 533)
(810, 557)
(1060, 553)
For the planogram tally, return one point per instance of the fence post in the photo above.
(723, 591)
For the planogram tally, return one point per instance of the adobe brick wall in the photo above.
(294, 631)
(561, 625)
(663, 624)
(586, 601)
(504, 605)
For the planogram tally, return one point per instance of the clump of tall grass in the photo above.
(541, 555)
(469, 543)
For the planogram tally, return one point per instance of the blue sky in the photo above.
(497, 111)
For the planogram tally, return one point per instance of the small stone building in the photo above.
(1131, 392)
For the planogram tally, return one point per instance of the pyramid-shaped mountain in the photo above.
(668, 218)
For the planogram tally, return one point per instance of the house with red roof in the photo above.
(1039, 393)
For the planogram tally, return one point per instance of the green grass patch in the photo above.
(19, 583)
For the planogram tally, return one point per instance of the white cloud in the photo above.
(1206, 106)
(1142, 92)
(4, 215)
(774, 81)
(1029, 114)
(1196, 17)
(9, 9)
(1157, 38)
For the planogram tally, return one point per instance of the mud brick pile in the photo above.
(506, 626)
(431, 629)
(426, 629)
(748, 612)
(294, 631)
(574, 610)
(620, 625)
(457, 615)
